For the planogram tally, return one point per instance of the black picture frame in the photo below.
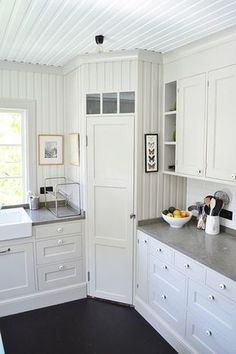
(151, 153)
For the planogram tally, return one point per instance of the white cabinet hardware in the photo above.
(211, 297)
(233, 176)
(164, 266)
(61, 267)
(186, 265)
(222, 286)
(163, 297)
(60, 242)
(208, 333)
(60, 229)
(159, 250)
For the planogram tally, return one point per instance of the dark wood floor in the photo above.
(85, 326)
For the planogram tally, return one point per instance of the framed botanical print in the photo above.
(74, 149)
(51, 149)
(151, 153)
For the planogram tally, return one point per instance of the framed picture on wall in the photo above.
(151, 152)
(50, 149)
(74, 140)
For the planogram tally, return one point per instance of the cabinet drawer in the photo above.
(59, 275)
(207, 302)
(168, 274)
(58, 249)
(222, 284)
(167, 303)
(161, 251)
(58, 229)
(207, 337)
(189, 267)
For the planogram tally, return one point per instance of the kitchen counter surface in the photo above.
(216, 252)
(44, 216)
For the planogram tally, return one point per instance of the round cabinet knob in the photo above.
(60, 242)
(61, 267)
(186, 265)
(233, 175)
(164, 266)
(159, 250)
(60, 229)
(199, 172)
(222, 286)
(163, 297)
(211, 297)
(208, 333)
(145, 241)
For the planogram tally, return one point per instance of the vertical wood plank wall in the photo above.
(46, 89)
(154, 191)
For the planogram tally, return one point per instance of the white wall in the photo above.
(45, 87)
(197, 190)
(154, 190)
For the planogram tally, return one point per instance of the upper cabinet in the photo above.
(191, 125)
(221, 162)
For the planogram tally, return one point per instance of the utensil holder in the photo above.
(212, 225)
(34, 203)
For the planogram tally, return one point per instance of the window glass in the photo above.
(109, 103)
(127, 102)
(93, 103)
(11, 158)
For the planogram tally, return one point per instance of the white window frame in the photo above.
(29, 139)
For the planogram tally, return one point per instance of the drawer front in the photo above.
(168, 274)
(165, 300)
(189, 267)
(59, 275)
(58, 249)
(56, 229)
(161, 251)
(207, 302)
(207, 337)
(221, 284)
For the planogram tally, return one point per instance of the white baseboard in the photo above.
(43, 299)
(171, 336)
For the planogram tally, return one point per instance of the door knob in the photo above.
(132, 216)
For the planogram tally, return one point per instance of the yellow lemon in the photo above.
(170, 215)
(177, 213)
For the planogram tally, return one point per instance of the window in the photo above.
(12, 157)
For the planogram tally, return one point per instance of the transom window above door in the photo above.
(110, 103)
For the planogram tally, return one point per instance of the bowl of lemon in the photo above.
(175, 217)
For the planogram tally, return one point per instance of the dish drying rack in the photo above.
(63, 199)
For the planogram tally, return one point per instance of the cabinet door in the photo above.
(191, 125)
(142, 266)
(221, 162)
(16, 270)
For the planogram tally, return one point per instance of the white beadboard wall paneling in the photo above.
(46, 89)
(197, 190)
(53, 32)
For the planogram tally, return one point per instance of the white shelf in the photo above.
(169, 113)
(170, 143)
(169, 172)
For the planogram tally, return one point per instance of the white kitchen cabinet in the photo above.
(16, 270)
(191, 125)
(190, 305)
(142, 266)
(221, 162)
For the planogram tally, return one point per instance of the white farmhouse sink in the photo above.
(14, 223)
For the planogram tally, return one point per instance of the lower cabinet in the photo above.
(16, 270)
(196, 304)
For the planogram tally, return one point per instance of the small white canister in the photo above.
(212, 225)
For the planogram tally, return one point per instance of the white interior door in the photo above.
(110, 165)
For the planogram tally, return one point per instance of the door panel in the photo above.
(110, 164)
(221, 161)
(191, 125)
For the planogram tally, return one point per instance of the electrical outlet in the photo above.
(48, 189)
(227, 214)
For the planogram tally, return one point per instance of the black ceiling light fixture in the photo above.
(99, 39)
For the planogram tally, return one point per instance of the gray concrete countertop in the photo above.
(44, 216)
(216, 252)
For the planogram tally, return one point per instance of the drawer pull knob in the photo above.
(5, 251)
(211, 297)
(222, 286)
(186, 265)
(145, 241)
(164, 266)
(159, 250)
(60, 242)
(61, 267)
(60, 229)
(163, 297)
(208, 333)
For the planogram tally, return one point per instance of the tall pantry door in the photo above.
(110, 166)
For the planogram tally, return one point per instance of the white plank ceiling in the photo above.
(52, 32)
